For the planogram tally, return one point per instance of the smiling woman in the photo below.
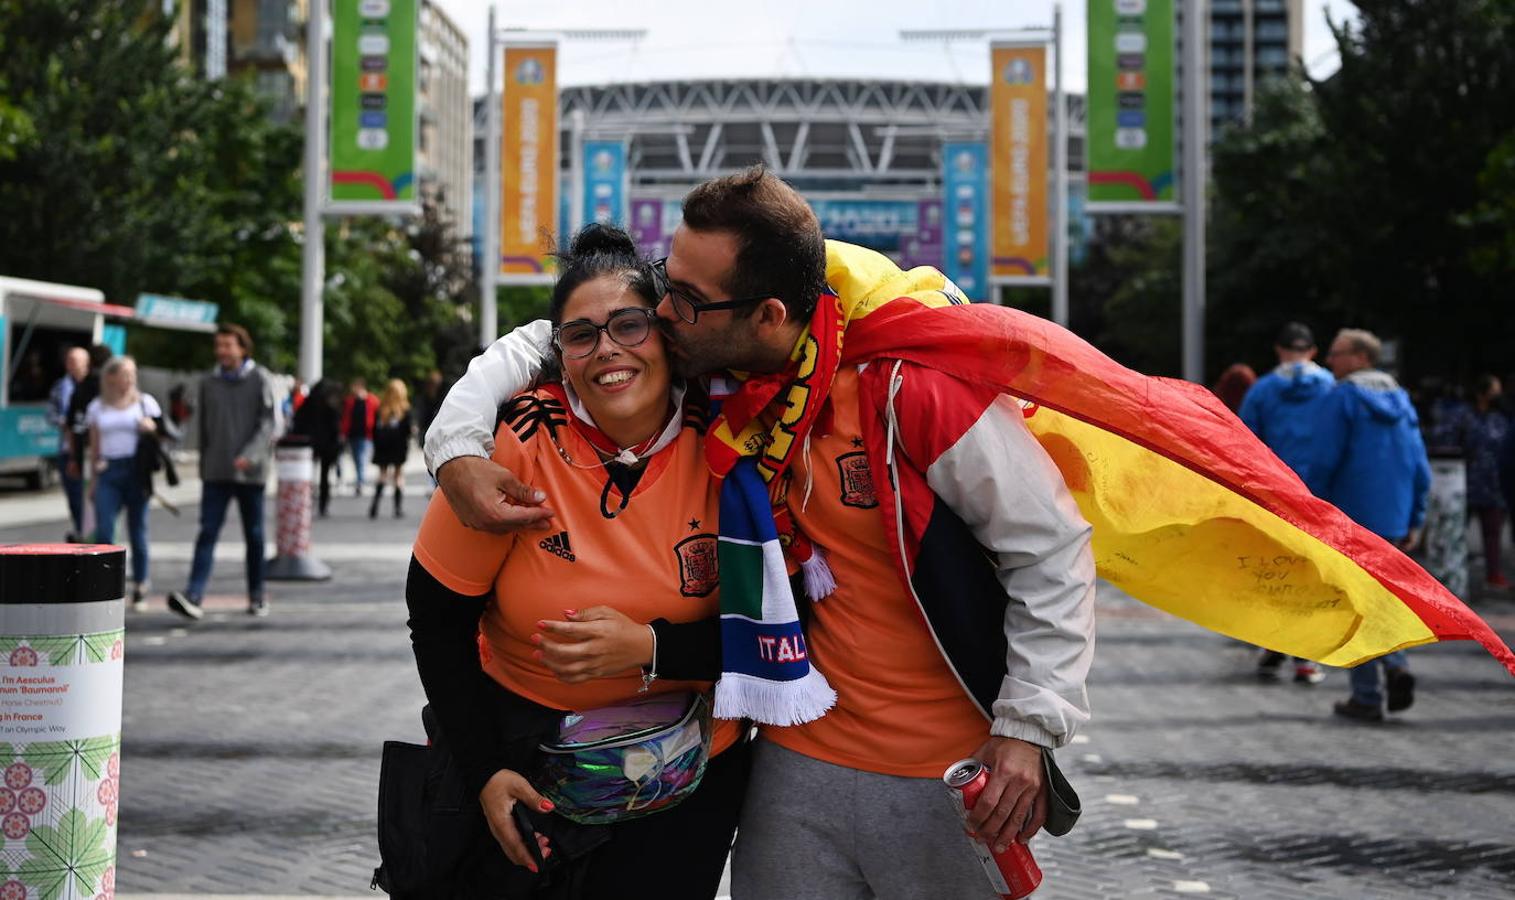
(632, 552)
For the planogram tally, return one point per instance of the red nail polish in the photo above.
(536, 654)
(532, 866)
(547, 806)
(570, 612)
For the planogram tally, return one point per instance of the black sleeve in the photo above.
(689, 651)
(486, 727)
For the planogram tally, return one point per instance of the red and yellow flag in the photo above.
(1192, 513)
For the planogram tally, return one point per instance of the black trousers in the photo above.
(677, 854)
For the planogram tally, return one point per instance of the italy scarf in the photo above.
(1191, 513)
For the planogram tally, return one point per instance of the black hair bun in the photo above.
(595, 238)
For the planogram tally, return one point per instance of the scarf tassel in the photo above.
(738, 695)
(820, 582)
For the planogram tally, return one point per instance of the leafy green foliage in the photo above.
(121, 170)
(1382, 197)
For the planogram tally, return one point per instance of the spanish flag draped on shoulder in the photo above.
(1192, 514)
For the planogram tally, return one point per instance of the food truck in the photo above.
(39, 322)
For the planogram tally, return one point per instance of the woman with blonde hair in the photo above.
(118, 421)
(392, 429)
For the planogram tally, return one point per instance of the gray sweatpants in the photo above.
(814, 831)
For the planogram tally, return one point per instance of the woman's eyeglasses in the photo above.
(627, 327)
(686, 305)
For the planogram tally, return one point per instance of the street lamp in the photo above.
(1059, 143)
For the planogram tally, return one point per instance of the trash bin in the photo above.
(1444, 539)
(61, 627)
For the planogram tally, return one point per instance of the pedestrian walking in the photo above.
(392, 432)
(1368, 458)
(1233, 384)
(1280, 409)
(179, 406)
(237, 408)
(429, 398)
(124, 425)
(76, 369)
(1480, 429)
(358, 412)
(78, 431)
(319, 421)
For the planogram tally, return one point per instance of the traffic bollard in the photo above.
(295, 462)
(62, 612)
(1444, 540)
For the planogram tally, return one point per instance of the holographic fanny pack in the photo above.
(628, 760)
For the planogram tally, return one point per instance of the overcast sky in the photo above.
(801, 38)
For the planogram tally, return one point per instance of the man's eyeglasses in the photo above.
(627, 327)
(686, 305)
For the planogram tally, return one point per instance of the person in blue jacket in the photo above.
(1280, 409)
(1369, 460)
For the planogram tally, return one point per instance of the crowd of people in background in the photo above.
(1356, 439)
(114, 438)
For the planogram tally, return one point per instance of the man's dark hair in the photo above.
(99, 355)
(244, 340)
(780, 250)
(1295, 336)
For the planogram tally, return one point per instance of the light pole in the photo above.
(489, 273)
(1196, 137)
(313, 254)
(1059, 224)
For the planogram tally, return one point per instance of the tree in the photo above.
(139, 177)
(1361, 199)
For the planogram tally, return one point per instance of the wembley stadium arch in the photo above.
(867, 153)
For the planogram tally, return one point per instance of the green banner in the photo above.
(373, 103)
(1129, 119)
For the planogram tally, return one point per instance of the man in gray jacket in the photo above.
(236, 413)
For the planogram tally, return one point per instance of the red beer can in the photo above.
(1014, 873)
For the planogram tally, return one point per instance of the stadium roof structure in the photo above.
(821, 134)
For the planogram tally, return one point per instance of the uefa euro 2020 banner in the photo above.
(528, 160)
(373, 105)
(1018, 171)
(605, 182)
(1129, 120)
(965, 241)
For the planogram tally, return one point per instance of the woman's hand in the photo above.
(146, 425)
(592, 643)
(502, 792)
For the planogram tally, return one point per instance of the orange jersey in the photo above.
(656, 559)
(899, 708)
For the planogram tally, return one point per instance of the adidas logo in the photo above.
(558, 543)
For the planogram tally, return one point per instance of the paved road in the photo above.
(250, 752)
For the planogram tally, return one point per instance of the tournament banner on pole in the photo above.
(965, 179)
(605, 182)
(373, 107)
(528, 161)
(1018, 174)
(1130, 115)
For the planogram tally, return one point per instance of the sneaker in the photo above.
(257, 606)
(1268, 665)
(1308, 673)
(185, 606)
(1401, 690)
(139, 598)
(1358, 712)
